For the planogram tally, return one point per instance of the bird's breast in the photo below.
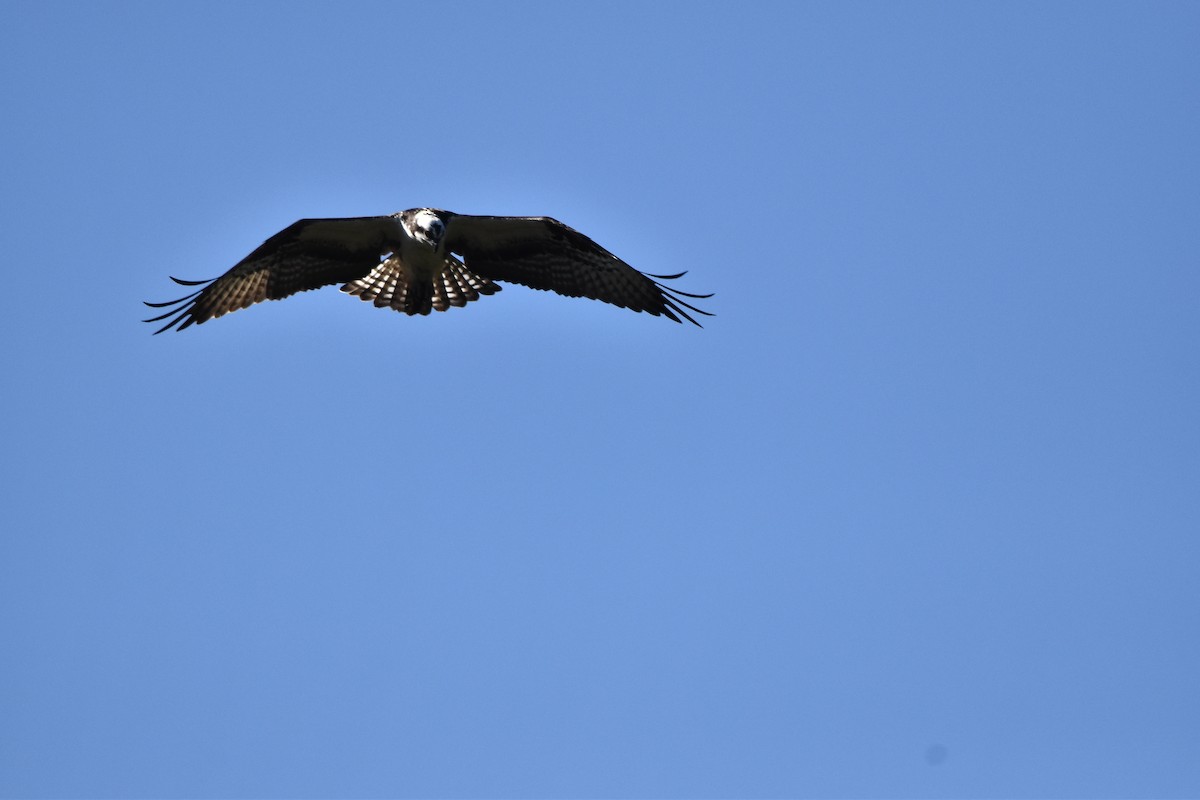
(420, 260)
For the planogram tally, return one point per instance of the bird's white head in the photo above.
(424, 225)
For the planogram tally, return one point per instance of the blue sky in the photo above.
(915, 515)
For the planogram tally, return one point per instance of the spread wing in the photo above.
(543, 253)
(306, 255)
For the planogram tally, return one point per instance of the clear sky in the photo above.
(916, 514)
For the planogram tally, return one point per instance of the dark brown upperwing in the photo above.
(543, 253)
(308, 254)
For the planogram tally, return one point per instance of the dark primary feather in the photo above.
(543, 253)
(308, 254)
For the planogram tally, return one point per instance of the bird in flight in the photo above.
(423, 259)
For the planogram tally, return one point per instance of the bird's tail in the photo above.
(388, 286)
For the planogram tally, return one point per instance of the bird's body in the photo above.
(406, 261)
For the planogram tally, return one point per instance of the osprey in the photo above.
(407, 261)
